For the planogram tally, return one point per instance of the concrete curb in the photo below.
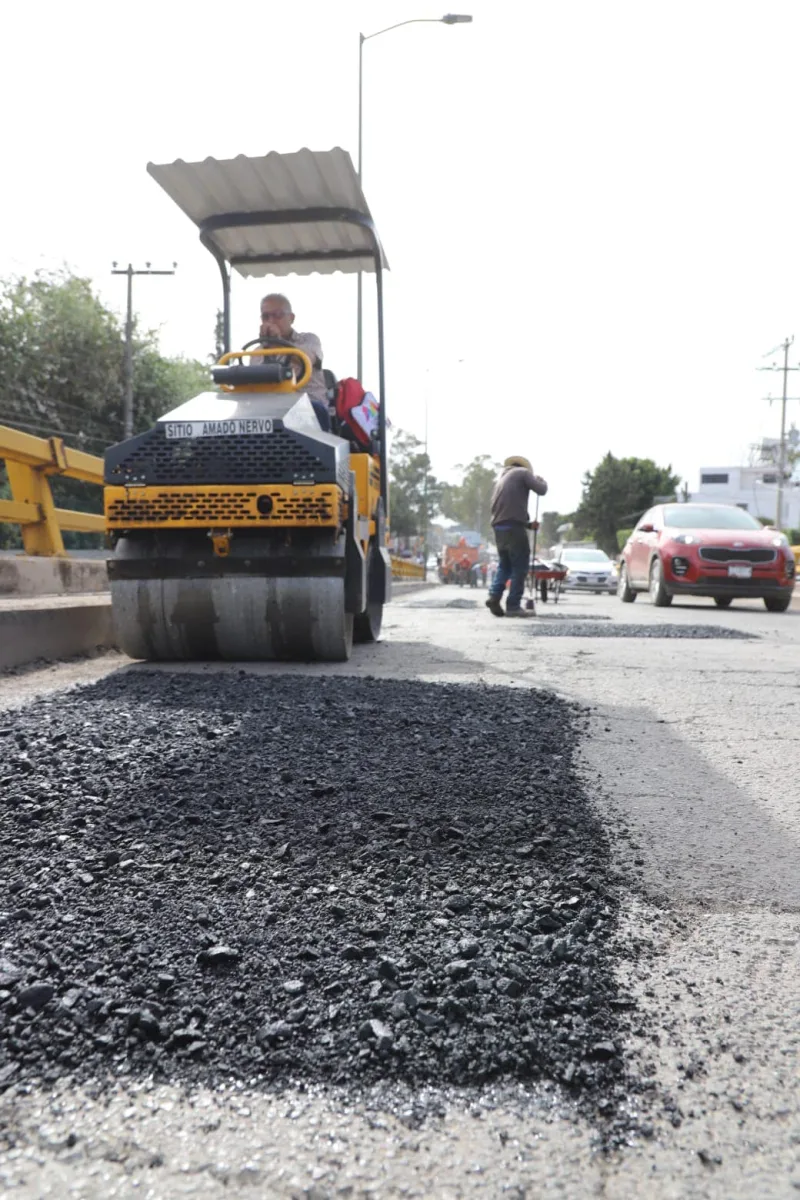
(27, 576)
(53, 627)
(400, 588)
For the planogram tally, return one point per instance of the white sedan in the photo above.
(588, 570)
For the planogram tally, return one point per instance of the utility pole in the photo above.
(785, 369)
(425, 495)
(130, 272)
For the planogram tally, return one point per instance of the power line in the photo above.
(26, 394)
(54, 412)
(53, 406)
(47, 430)
(43, 431)
(51, 413)
(49, 401)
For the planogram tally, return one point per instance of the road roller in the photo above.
(247, 524)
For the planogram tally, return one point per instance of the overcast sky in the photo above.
(590, 209)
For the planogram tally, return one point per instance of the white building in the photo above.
(754, 487)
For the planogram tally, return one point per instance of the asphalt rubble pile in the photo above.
(305, 880)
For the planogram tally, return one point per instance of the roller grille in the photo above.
(225, 508)
(259, 458)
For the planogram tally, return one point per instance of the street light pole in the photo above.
(128, 401)
(447, 19)
(360, 276)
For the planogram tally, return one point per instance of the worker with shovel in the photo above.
(511, 523)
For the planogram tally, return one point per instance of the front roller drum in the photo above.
(238, 618)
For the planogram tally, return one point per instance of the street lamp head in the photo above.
(456, 19)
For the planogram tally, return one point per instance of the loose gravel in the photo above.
(461, 602)
(304, 880)
(614, 630)
(565, 616)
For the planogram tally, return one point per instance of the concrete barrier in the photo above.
(23, 575)
(53, 627)
(404, 568)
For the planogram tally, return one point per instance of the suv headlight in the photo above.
(685, 539)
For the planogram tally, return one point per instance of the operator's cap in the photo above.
(516, 460)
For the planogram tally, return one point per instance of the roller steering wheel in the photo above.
(268, 346)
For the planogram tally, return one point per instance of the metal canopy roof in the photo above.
(277, 215)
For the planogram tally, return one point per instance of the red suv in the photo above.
(715, 550)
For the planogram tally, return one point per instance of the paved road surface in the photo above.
(692, 757)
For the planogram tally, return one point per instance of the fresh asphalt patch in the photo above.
(307, 880)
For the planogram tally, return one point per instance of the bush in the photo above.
(622, 537)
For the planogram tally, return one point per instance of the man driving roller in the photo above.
(277, 322)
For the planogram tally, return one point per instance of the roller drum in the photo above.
(233, 617)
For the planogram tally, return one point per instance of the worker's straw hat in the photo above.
(517, 460)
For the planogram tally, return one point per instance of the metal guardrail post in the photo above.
(31, 488)
(29, 463)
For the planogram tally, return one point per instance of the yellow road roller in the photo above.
(247, 524)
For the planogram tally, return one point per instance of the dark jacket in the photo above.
(510, 496)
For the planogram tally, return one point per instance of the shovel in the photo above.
(530, 603)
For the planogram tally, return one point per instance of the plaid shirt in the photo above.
(312, 346)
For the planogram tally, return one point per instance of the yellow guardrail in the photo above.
(404, 568)
(30, 461)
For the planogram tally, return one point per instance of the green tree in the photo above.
(408, 467)
(792, 449)
(470, 501)
(61, 374)
(60, 360)
(219, 337)
(161, 384)
(548, 530)
(617, 492)
(9, 534)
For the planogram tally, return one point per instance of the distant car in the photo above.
(588, 570)
(715, 550)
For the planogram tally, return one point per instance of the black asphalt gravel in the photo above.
(305, 879)
(614, 630)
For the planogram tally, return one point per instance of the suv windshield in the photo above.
(593, 556)
(708, 516)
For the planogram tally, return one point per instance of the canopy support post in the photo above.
(381, 388)
(221, 262)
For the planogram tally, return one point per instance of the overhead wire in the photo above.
(48, 431)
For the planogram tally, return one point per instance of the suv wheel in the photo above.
(659, 595)
(777, 603)
(624, 590)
